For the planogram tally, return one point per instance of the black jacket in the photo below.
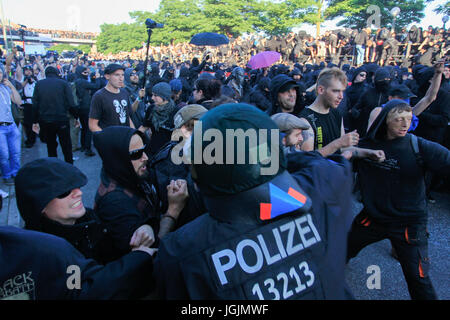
(44, 264)
(84, 88)
(276, 84)
(163, 170)
(393, 192)
(122, 201)
(52, 99)
(39, 182)
(229, 253)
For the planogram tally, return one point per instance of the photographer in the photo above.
(28, 84)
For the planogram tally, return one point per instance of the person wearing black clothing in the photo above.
(370, 99)
(259, 96)
(393, 194)
(285, 95)
(49, 200)
(434, 120)
(83, 89)
(164, 168)
(45, 264)
(52, 102)
(326, 134)
(358, 85)
(126, 202)
(242, 243)
(159, 117)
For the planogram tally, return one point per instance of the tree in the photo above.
(443, 8)
(68, 47)
(354, 12)
(121, 37)
(184, 18)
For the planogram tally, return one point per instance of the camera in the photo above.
(19, 48)
(29, 79)
(151, 24)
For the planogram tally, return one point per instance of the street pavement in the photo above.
(392, 284)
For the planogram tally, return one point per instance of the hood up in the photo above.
(378, 130)
(39, 182)
(113, 145)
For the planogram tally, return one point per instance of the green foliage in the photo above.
(184, 18)
(443, 8)
(355, 16)
(61, 47)
(120, 37)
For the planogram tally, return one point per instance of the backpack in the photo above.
(415, 145)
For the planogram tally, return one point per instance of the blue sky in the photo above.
(88, 15)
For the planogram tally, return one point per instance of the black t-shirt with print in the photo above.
(111, 109)
(327, 127)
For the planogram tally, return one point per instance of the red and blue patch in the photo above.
(281, 203)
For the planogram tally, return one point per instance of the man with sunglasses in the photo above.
(50, 202)
(126, 201)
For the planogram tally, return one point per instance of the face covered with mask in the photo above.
(382, 80)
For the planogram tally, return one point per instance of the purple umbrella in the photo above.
(264, 59)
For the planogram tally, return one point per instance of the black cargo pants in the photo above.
(410, 243)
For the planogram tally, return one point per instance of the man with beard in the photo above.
(393, 194)
(291, 130)
(370, 99)
(125, 201)
(285, 95)
(327, 134)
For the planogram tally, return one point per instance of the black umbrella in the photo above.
(209, 39)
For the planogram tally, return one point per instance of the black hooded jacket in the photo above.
(354, 91)
(41, 181)
(52, 98)
(123, 201)
(259, 97)
(275, 85)
(393, 192)
(371, 98)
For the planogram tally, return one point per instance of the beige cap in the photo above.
(191, 111)
(287, 121)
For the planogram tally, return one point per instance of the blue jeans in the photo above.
(360, 50)
(9, 150)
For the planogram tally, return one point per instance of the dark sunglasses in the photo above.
(362, 74)
(137, 154)
(64, 195)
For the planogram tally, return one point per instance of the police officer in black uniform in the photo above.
(276, 227)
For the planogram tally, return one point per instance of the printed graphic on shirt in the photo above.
(121, 110)
(19, 287)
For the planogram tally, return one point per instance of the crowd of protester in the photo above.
(343, 46)
(201, 217)
(17, 30)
